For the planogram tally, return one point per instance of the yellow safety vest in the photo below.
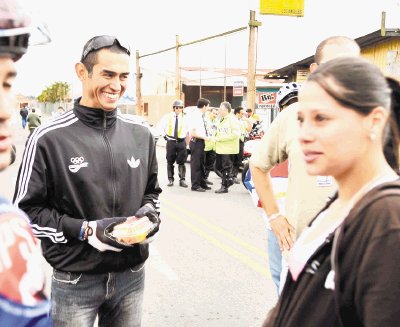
(171, 128)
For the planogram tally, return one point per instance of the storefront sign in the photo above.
(282, 7)
(238, 88)
(266, 98)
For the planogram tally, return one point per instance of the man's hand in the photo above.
(94, 241)
(283, 231)
(151, 213)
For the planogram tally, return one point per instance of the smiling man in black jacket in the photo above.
(81, 173)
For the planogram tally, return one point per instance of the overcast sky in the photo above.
(150, 26)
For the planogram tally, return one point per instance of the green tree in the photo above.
(57, 92)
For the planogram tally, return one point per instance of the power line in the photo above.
(197, 41)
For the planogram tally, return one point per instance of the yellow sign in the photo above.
(302, 75)
(282, 7)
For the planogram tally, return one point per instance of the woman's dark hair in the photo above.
(360, 86)
(391, 146)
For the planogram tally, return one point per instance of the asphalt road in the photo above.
(208, 266)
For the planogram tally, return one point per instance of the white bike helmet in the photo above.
(17, 30)
(286, 93)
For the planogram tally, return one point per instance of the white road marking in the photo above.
(158, 263)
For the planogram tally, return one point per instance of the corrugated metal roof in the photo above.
(195, 76)
(363, 41)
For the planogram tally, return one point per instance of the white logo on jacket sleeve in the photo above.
(133, 163)
(77, 163)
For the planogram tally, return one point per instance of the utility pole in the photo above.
(251, 70)
(200, 81)
(225, 70)
(177, 75)
(138, 93)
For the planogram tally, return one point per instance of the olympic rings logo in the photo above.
(77, 160)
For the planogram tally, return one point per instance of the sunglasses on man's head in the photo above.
(104, 41)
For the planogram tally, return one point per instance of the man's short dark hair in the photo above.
(237, 110)
(203, 102)
(91, 59)
(33, 109)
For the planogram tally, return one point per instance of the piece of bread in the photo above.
(133, 230)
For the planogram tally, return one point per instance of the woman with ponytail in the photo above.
(344, 268)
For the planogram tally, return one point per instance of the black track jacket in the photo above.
(87, 164)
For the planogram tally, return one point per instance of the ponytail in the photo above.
(391, 145)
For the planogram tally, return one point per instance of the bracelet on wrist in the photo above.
(83, 231)
(88, 231)
(274, 216)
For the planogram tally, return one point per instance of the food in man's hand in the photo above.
(133, 230)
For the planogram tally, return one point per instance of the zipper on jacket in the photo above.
(108, 146)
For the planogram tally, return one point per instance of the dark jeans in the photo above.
(223, 163)
(197, 171)
(116, 297)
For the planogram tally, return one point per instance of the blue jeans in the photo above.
(24, 120)
(275, 258)
(117, 298)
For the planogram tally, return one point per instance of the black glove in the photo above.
(165, 137)
(100, 234)
(94, 241)
(151, 213)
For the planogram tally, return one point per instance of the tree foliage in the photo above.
(57, 92)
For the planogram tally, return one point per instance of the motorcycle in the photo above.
(250, 144)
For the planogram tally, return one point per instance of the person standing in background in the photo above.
(24, 114)
(199, 135)
(306, 194)
(59, 112)
(212, 122)
(252, 116)
(226, 145)
(245, 127)
(175, 129)
(33, 121)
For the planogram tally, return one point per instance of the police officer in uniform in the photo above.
(175, 128)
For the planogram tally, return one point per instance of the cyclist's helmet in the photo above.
(286, 93)
(16, 29)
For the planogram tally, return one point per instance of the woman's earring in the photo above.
(372, 136)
